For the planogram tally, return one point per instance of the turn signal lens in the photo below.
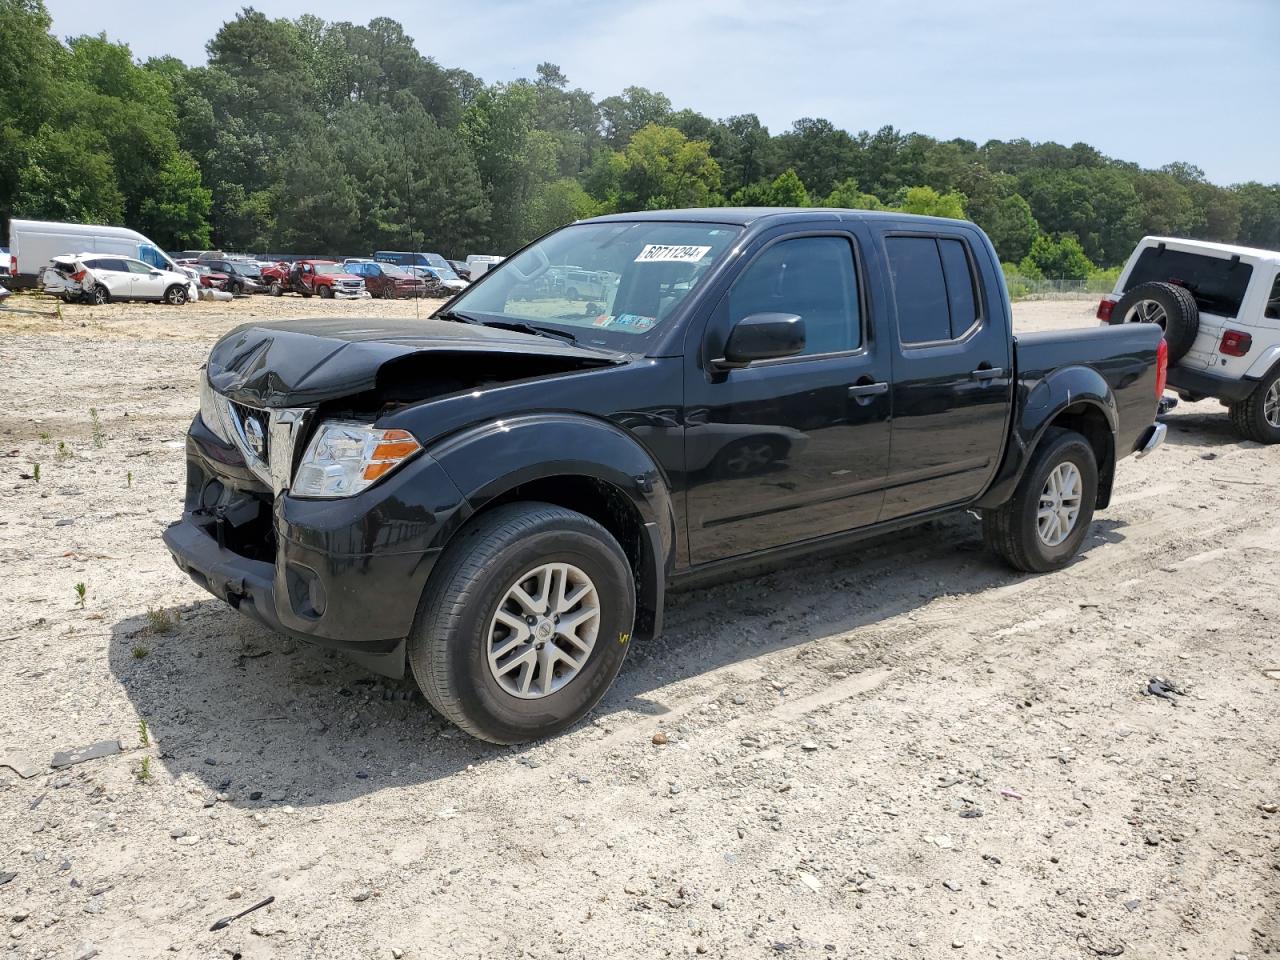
(344, 458)
(1162, 367)
(1105, 306)
(1235, 343)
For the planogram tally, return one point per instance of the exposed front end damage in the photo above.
(333, 570)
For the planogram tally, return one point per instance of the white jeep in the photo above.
(1219, 306)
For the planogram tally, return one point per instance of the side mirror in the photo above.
(763, 336)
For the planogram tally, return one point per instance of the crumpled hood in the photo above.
(298, 363)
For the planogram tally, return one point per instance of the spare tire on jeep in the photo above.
(1170, 306)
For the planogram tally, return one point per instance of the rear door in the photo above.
(952, 370)
(114, 274)
(787, 450)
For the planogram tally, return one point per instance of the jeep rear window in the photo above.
(606, 283)
(1217, 283)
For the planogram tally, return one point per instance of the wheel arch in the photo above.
(582, 464)
(1074, 398)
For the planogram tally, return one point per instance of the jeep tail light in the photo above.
(1162, 367)
(1235, 343)
(1105, 306)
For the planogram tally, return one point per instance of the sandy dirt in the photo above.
(901, 751)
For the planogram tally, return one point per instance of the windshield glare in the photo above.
(330, 269)
(615, 281)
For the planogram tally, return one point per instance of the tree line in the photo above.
(318, 136)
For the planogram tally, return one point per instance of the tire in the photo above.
(572, 293)
(326, 293)
(1167, 304)
(1012, 530)
(457, 623)
(175, 296)
(99, 295)
(1257, 416)
(306, 294)
(276, 289)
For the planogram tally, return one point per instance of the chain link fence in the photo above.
(1030, 288)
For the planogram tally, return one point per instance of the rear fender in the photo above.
(1263, 364)
(490, 461)
(1077, 389)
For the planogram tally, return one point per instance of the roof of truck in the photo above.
(1224, 249)
(744, 216)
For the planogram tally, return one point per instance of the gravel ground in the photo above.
(900, 751)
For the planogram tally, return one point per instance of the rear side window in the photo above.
(933, 287)
(1217, 283)
(1273, 300)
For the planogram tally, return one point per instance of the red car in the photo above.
(386, 279)
(324, 278)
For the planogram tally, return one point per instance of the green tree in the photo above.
(928, 202)
(659, 168)
(1061, 259)
(846, 195)
(785, 190)
(636, 108)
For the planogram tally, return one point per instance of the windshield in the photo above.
(608, 283)
(445, 273)
(398, 272)
(330, 269)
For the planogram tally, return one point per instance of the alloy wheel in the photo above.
(1147, 311)
(1059, 504)
(1271, 405)
(544, 630)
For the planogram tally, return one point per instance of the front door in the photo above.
(148, 282)
(787, 450)
(952, 371)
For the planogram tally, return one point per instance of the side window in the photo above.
(151, 255)
(812, 277)
(137, 266)
(1273, 300)
(107, 263)
(933, 287)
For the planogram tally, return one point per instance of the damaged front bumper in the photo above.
(342, 574)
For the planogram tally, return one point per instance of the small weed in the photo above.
(45, 436)
(35, 472)
(128, 479)
(159, 621)
(81, 590)
(98, 433)
(63, 450)
(140, 652)
(143, 772)
(144, 734)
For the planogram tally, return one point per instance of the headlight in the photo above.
(213, 410)
(344, 458)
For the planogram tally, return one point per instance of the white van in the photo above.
(479, 264)
(33, 243)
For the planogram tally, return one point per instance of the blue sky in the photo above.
(1150, 81)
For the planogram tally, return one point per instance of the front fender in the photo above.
(491, 459)
(1039, 404)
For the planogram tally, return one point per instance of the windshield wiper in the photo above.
(457, 317)
(520, 326)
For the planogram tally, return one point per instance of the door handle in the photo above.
(860, 390)
(983, 374)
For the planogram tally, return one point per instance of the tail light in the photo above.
(1105, 306)
(78, 276)
(1235, 343)
(1162, 367)
(13, 264)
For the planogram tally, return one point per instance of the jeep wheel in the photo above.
(1042, 526)
(1257, 416)
(1167, 305)
(99, 295)
(175, 295)
(524, 623)
(326, 293)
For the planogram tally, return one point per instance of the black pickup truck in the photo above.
(500, 495)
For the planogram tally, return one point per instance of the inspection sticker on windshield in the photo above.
(668, 253)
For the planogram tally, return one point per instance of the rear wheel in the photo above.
(1257, 417)
(276, 289)
(1169, 306)
(525, 622)
(1042, 526)
(99, 295)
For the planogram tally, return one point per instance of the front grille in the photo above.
(253, 430)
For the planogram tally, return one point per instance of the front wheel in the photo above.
(525, 622)
(276, 289)
(1257, 416)
(1042, 526)
(175, 295)
(326, 293)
